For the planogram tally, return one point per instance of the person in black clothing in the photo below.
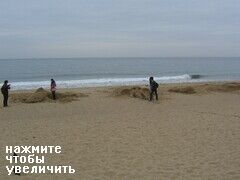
(153, 88)
(53, 89)
(4, 90)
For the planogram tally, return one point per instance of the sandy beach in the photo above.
(192, 132)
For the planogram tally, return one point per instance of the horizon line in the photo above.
(31, 58)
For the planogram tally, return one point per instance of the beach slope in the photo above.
(115, 133)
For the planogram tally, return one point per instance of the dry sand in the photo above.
(192, 132)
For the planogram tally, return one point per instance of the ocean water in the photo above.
(94, 72)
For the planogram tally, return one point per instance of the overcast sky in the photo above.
(119, 28)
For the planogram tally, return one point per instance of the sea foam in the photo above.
(101, 82)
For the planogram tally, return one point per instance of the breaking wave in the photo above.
(102, 82)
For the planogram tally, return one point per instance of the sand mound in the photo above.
(226, 87)
(69, 96)
(41, 95)
(40, 90)
(183, 90)
(136, 92)
(205, 88)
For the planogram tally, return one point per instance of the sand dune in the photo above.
(184, 90)
(135, 92)
(205, 88)
(41, 95)
(225, 87)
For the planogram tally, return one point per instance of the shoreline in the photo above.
(161, 85)
(165, 85)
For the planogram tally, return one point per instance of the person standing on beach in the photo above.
(153, 88)
(53, 89)
(5, 88)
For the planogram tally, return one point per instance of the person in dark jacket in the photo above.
(53, 89)
(153, 88)
(5, 88)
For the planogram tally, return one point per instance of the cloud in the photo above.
(126, 27)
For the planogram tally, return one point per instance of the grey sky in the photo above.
(116, 28)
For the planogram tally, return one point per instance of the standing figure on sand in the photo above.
(5, 88)
(53, 89)
(153, 88)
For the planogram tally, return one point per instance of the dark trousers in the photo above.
(53, 95)
(153, 91)
(5, 100)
